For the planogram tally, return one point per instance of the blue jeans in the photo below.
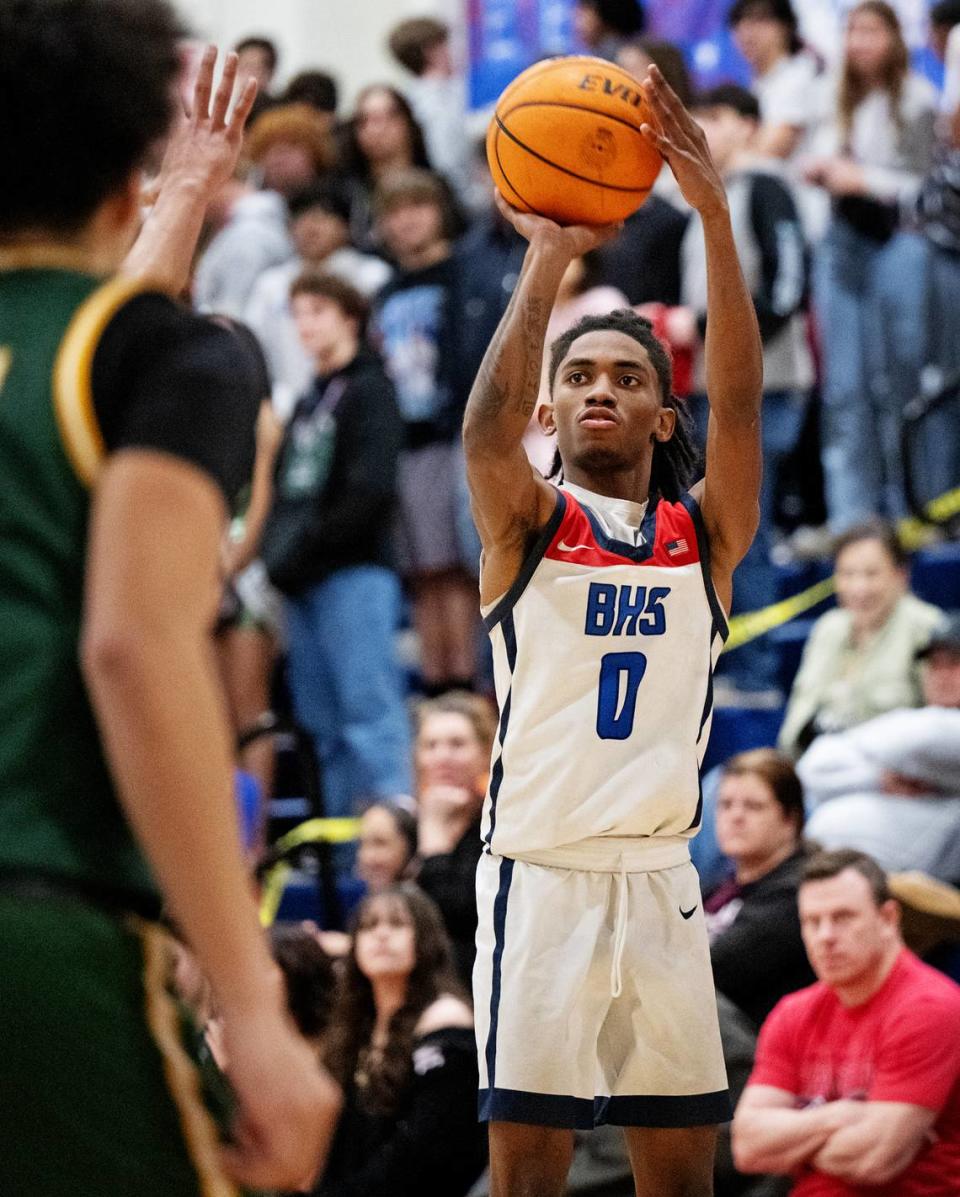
(753, 666)
(346, 687)
(872, 310)
(939, 469)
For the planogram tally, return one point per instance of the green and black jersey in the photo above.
(87, 368)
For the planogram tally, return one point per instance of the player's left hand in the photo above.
(684, 145)
(205, 140)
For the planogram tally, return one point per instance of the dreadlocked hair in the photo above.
(676, 462)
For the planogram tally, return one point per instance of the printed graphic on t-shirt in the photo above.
(410, 324)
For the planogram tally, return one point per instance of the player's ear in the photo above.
(666, 424)
(545, 419)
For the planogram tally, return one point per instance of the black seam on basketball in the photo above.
(506, 179)
(575, 108)
(572, 173)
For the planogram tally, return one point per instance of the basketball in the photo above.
(565, 142)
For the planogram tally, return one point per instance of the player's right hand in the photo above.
(287, 1105)
(574, 240)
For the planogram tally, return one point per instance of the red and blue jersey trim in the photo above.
(670, 539)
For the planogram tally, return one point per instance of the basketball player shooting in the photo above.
(604, 597)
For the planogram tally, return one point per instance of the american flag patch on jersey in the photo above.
(677, 546)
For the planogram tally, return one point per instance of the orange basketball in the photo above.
(565, 142)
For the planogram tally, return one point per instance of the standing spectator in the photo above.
(402, 1046)
(872, 147)
(415, 322)
(856, 1085)
(891, 786)
(452, 758)
(604, 25)
(437, 94)
(860, 659)
(251, 237)
(782, 71)
(319, 225)
(291, 147)
(770, 243)
(316, 88)
(755, 945)
(383, 138)
(257, 58)
(327, 548)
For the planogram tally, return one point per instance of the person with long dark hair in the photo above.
(401, 1045)
(873, 145)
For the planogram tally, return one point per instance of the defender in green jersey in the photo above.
(125, 431)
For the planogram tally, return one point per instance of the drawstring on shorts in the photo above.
(619, 935)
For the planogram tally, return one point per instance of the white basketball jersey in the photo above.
(603, 662)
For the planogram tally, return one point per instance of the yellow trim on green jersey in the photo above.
(72, 376)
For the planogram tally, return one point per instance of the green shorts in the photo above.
(99, 1096)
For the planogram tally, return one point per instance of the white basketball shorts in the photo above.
(594, 998)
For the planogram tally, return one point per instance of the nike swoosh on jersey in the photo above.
(572, 548)
(686, 914)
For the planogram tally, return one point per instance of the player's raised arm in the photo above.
(509, 498)
(730, 491)
(201, 154)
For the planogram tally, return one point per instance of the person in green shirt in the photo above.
(126, 429)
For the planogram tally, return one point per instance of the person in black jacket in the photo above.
(401, 1044)
(755, 946)
(327, 548)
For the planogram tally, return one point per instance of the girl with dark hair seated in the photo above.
(755, 945)
(401, 1044)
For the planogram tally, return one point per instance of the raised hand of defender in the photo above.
(573, 239)
(682, 142)
(205, 141)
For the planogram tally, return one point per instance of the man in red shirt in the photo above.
(856, 1085)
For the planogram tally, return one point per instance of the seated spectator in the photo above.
(250, 235)
(766, 34)
(328, 547)
(755, 943)
(640, 55)
(770, 242)
(416, 325)
(291, 147)
(891, 786)
(309, 977)
(319, 225)
(861, 659)
(856, 1085)
(382, 139)
(454, 738)
(402, 1046)
(437, 93)
(604, 25)
(388, 845)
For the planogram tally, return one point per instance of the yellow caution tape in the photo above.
(313, 831)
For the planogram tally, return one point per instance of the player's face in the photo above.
(752, 826)
(385, 943)
(845, 932)
(607, 409)
(941, 678)
(869, 583)
(448, 752)
(383, 852)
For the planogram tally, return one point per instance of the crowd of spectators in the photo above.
(362, 260)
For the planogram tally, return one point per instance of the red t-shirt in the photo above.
(901, 1045)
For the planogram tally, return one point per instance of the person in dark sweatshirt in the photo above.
(328, 548)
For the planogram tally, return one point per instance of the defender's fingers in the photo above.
(243, 106)
(224, 93)
(203, 84)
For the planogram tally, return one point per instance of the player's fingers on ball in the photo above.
(221, 100)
